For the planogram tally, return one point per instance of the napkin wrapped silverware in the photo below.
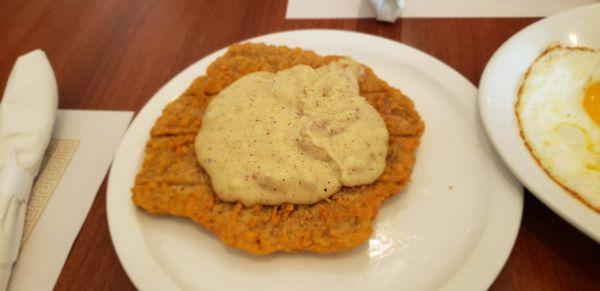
(27, 115)
(388, 10)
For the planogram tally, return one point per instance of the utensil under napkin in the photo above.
(27, 114)
(388, 10)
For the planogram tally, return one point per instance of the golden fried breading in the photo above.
(172, 182)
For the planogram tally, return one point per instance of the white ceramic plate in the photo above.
(497, 96)
(452, 228)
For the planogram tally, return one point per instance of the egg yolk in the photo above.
(591, 101)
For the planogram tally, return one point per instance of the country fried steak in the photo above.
(171, 182)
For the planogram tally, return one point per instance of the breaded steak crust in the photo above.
(172, 182)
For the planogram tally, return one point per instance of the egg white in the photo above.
(558, 131)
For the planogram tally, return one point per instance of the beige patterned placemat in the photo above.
(57, 158)
(83, 146)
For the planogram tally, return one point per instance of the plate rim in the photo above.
(487, 116)
(485, 276)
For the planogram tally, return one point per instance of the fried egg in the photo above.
(558, 110)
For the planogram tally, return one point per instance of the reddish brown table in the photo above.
(115, 54)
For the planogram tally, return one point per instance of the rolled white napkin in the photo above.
(27, 114)
(388, 10)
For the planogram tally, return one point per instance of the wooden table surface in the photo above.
(115, 54)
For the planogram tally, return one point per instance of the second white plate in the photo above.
(497, 96)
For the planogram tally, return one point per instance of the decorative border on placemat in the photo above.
(57, 158)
